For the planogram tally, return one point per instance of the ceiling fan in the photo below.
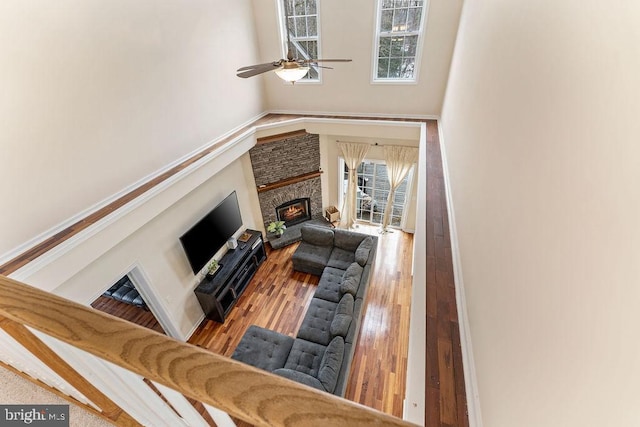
(290, 69)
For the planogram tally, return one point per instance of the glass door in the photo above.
(373, 190)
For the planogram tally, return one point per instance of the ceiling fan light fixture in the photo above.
(292, 74)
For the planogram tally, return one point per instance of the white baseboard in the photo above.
(195, 326)
(470, 377)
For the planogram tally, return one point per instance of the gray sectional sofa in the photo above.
(320, 356)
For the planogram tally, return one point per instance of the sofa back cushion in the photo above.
(320, 236)
(343, 317)
(331, 364)
(362, 252)
(348, 240)
(351, 279)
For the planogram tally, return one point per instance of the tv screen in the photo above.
(211, 233)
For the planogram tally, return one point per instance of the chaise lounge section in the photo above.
(321, 354)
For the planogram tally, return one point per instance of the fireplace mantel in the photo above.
(288, 181)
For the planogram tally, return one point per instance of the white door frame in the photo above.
(143, 285)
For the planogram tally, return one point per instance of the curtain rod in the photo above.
(375, 144)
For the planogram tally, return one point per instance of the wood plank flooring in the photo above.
(446, 403)
(128, 312)
(278, 297)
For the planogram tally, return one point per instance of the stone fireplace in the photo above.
(294, 211)
(287, 172)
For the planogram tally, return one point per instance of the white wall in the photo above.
(541, 134)
(155, 248)
(347, 31)
(99, 94)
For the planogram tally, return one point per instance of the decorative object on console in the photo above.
(277, 228)
(212, 268)
(236, 268)
(232, 243)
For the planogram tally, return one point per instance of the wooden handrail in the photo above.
(242, 391)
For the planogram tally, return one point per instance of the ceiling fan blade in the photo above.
(324, 60)
(320, 66)
(256, 71)
(272, 64)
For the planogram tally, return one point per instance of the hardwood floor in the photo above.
(277, 298)
(446, 402)
(128, 312)
(379, 370)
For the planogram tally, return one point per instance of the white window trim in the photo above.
(283, 40)
(376, 47)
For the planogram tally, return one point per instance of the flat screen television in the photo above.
(211, 233)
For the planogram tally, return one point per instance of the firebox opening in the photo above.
(294, 211)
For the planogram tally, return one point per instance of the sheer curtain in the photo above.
(399, 162)
(353, 155)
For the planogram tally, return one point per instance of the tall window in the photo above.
(398, 39)
(303, 30)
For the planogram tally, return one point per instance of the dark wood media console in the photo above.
(218, 295)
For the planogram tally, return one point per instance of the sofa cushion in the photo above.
(263, 348)
(347, 240)
(351, 279)
(362, 253)
(343, 317)
(300, 377)
(305, 357)
(341, 258)
(316, 325)
(340, 325)
(311, 258)
(331, 364)
(329, 285)
(320, 236)
(345, 306)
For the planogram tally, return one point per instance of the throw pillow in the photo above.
(362, 253)
(331, 364)
(350, 286)
(351, 279)
(342, 320)
(345, 306)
